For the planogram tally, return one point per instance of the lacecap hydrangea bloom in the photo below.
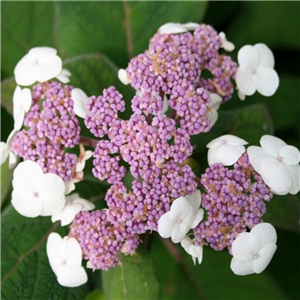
(222, 208)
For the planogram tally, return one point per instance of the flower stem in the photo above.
(88, 142)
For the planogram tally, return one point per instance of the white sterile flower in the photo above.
(176, 222)
(277, 163)
(73, 205)
(195, 251)
(252, 251)
(123, 77)
(225, 149)
(80, 100)
(194, 201)
(40, 64)
(172, 28)
(35, 193)
(184, 215)
(6, 151)
(228, 46)
(256, 71)
(65, 256)
(214, 105)
(165, 104)
(83, 157)
(22, 102)
(64, 75)
(241, 95)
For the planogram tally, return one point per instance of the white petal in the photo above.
(228, 46)
(63, 78)
(73, 252)
(4, 152)
(245, 82)
(241, 268)
(41, 52)
(276, 175)
(290, 155)
(80, 100)
(266, 234)
(166, 225)
(51, 193)
(194, 200)
(55, 251)
(171, 28)
(264, 257)
(245, 246)
(26, 72)
(89, 265)
(123, 77)
(186, 243)
(190, 26)
(256, 156)
(197, 251)
(225, 154)
(266, 57)
(266, 81)
(226, 139)
(215, 102)
(26, 205)
(272, 145)
(18, 111)
(241, 95)
(198, 218)
(165, 104)
(179, 231)
(180, 209)
(295, 176)
(12, 160)
(71, 277)
(10, 138)
(69, 186)
(26, 99)
(67, 215)
(248, 57)
(50, 67)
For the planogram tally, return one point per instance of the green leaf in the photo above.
(95, 295)
(284, 212)
(112, 27)
(133, 278)
(249, 123)
(6, 178)
(25, 24)
(273, 23)
(213, 279)
(25, 270)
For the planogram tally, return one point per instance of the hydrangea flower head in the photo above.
(256, 71)
(277, 163)
(65, 256)
(40, 64)
(252, 251)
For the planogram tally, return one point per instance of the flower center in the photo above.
(63, 262)
(254, 71)
(256, 256)
(35, 194)
(36, 62)
(279, 158)
(223, 142)
(179, 222)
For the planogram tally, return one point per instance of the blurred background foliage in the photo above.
(92, 40)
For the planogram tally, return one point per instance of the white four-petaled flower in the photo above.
(252, 251)
(35, 193)
(80, 100)
(277, 163)
(225, 149)
(172, 28)
(256, 71)
(195, 251)
(40, 64)
(228, 46)
(183, 215)
(65, 256)
(22, 102)
(73, 205)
